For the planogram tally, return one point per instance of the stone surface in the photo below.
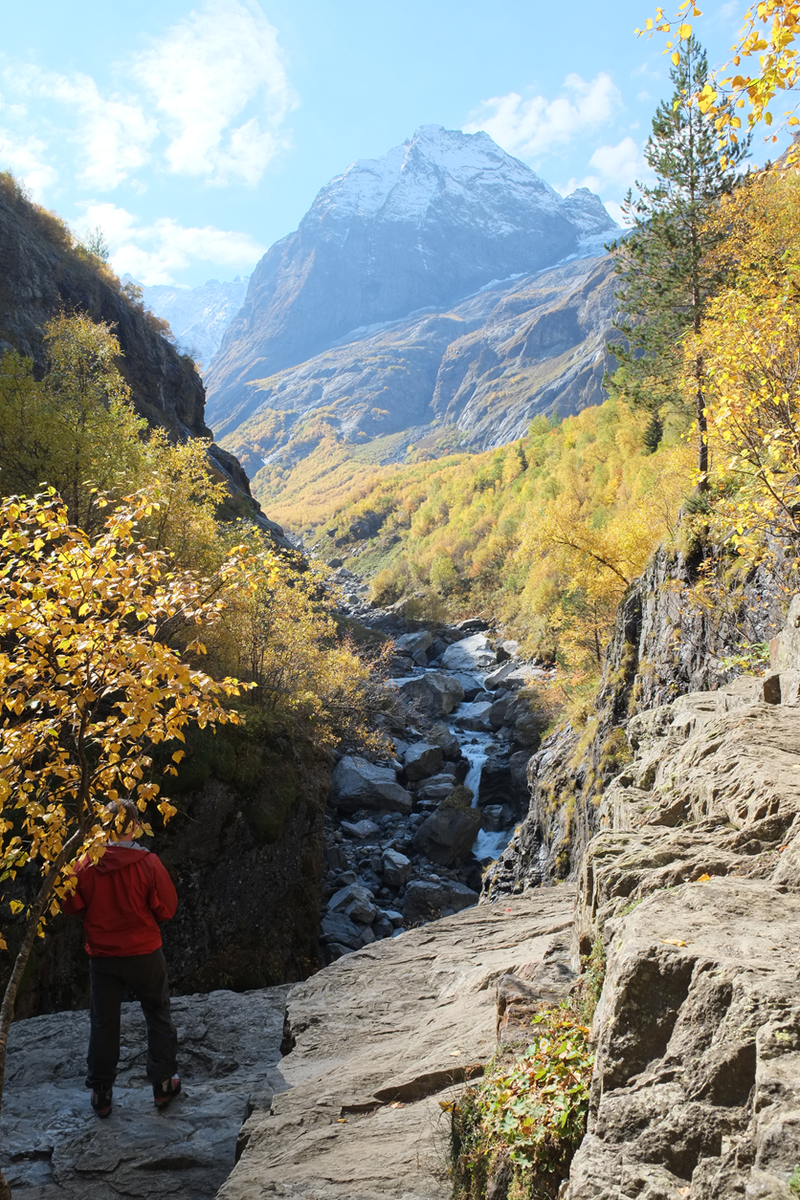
(357, 783)
(361, 829)
(423, 760)
(55, 1148)
(475, 716)
(696, 1089)
(425, 900)
(356, 902)
(447, 835)
(396, 867)
(434, 694)
(471, 654)
(381, 1037)
(441, 735)
(413, 643)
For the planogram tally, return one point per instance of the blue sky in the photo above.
(197, 134)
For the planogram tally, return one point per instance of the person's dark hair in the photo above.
(123, 816)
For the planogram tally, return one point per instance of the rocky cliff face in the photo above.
(694, 891)
(432, 222)
(39, 276)
(662, 646)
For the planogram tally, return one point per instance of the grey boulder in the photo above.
(361, 829)
(471, 654)
(476, 716)
(396, 867)
(357, 783)
(426, 899)
(423, 760)
(448, 834)
(434, 694)
(442, 735)
(355, 902)
(438, 787)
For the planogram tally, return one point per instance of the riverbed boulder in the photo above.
(473, 685)
(357, 783)
(423, 760)
(339, 930)
(434, 694)
(442, 735)
(360, 829)
(447, 835)
(415, 645)
(426, 899)
(438, 786)
(471, 654)
(356, 902)
(475, 716)
(497, 713)
(396, 867)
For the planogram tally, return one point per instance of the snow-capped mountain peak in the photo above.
(410, 178)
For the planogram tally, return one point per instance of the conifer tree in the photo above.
(664, 263)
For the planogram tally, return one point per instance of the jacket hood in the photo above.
(116, 857)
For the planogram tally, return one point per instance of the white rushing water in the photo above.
(489, 844)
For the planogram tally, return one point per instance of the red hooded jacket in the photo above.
(122, 897)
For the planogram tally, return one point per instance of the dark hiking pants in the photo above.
(145, 976)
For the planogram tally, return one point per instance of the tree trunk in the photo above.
(702, 431)
(21, 962)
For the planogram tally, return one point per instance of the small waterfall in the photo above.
(474, 746)
(475, 752)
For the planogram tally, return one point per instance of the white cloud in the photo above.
(220, 65)
(115, 134)
(154, 253)
(25, 158)
(614, 169)
(212, 94)
(622, 164)
(532, 127)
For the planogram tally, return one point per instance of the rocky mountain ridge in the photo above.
(199, 316)
(352, 315)
(472, 377)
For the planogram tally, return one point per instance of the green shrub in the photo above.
(518, 1129)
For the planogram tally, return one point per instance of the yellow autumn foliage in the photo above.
(750, 347)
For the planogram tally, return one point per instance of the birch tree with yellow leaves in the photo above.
(764, 64)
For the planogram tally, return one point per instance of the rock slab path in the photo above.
(55, 1148)
(381, 1037)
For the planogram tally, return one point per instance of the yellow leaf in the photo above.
(702, 879)
(685, 32)
(672, 942)
(676, 58)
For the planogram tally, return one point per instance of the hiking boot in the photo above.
(101, 1102)
(165, 1090)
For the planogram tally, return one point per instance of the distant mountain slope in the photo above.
(472, 377)
(432, 222)
(198, 317)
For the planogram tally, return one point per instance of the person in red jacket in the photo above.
(122, 898)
